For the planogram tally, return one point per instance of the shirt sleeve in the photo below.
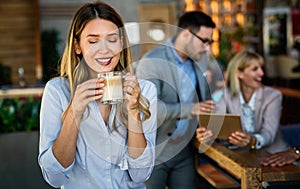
(271, 121)
(260, 141)
(50, 126)
(140, 168)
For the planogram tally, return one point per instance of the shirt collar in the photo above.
(178, 59)
(251, 103)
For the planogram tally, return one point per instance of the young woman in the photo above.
(86, 144)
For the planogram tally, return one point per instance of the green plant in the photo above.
(230, 43)
(224, 46)
(19, 114)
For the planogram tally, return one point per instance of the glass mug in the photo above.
(113, 88)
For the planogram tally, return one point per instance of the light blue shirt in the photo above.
(248, 111)
(188, 80)
(102, 159)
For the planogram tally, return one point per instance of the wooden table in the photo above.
(244, 164)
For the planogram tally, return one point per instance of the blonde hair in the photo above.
(239, 62)
(73, 66)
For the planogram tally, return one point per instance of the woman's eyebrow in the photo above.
(112, 34)
(97, 35)
(93, 35)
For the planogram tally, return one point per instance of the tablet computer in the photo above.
(222, 125)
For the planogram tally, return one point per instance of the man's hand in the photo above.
(208, 106)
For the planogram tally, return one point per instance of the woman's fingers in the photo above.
(86, 92)
(131, 91)
(239, 138)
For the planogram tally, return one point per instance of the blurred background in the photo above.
(34, 32)
(33, 36)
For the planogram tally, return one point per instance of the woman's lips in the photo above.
(258, 80)
(103, 61)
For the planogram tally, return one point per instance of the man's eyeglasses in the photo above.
(204, 41)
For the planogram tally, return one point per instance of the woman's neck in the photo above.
(247, 93)
(105, 111)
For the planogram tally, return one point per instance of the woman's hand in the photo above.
(239, 138)
(203, 135)
(85, 93)
(280, 158)
(132, 92)
(136, 138)
(64, 147)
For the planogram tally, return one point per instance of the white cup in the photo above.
(113, 88)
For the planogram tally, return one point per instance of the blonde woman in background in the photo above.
(259, 106)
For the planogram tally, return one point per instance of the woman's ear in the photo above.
(239, 74)
(77, 47)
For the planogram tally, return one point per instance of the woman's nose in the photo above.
(261, 72)
(102, 47)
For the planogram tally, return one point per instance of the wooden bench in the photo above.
(216, 177)
(289, 92)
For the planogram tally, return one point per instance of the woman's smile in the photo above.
(103, 61)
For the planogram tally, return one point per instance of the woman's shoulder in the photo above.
(271, 90)
(269, 94)
(227, 92)
(58, 83)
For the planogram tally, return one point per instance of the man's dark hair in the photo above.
(194, 20)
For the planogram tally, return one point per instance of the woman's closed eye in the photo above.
(92, 42)
(108, 40)
(112, 39)
(93, 39)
